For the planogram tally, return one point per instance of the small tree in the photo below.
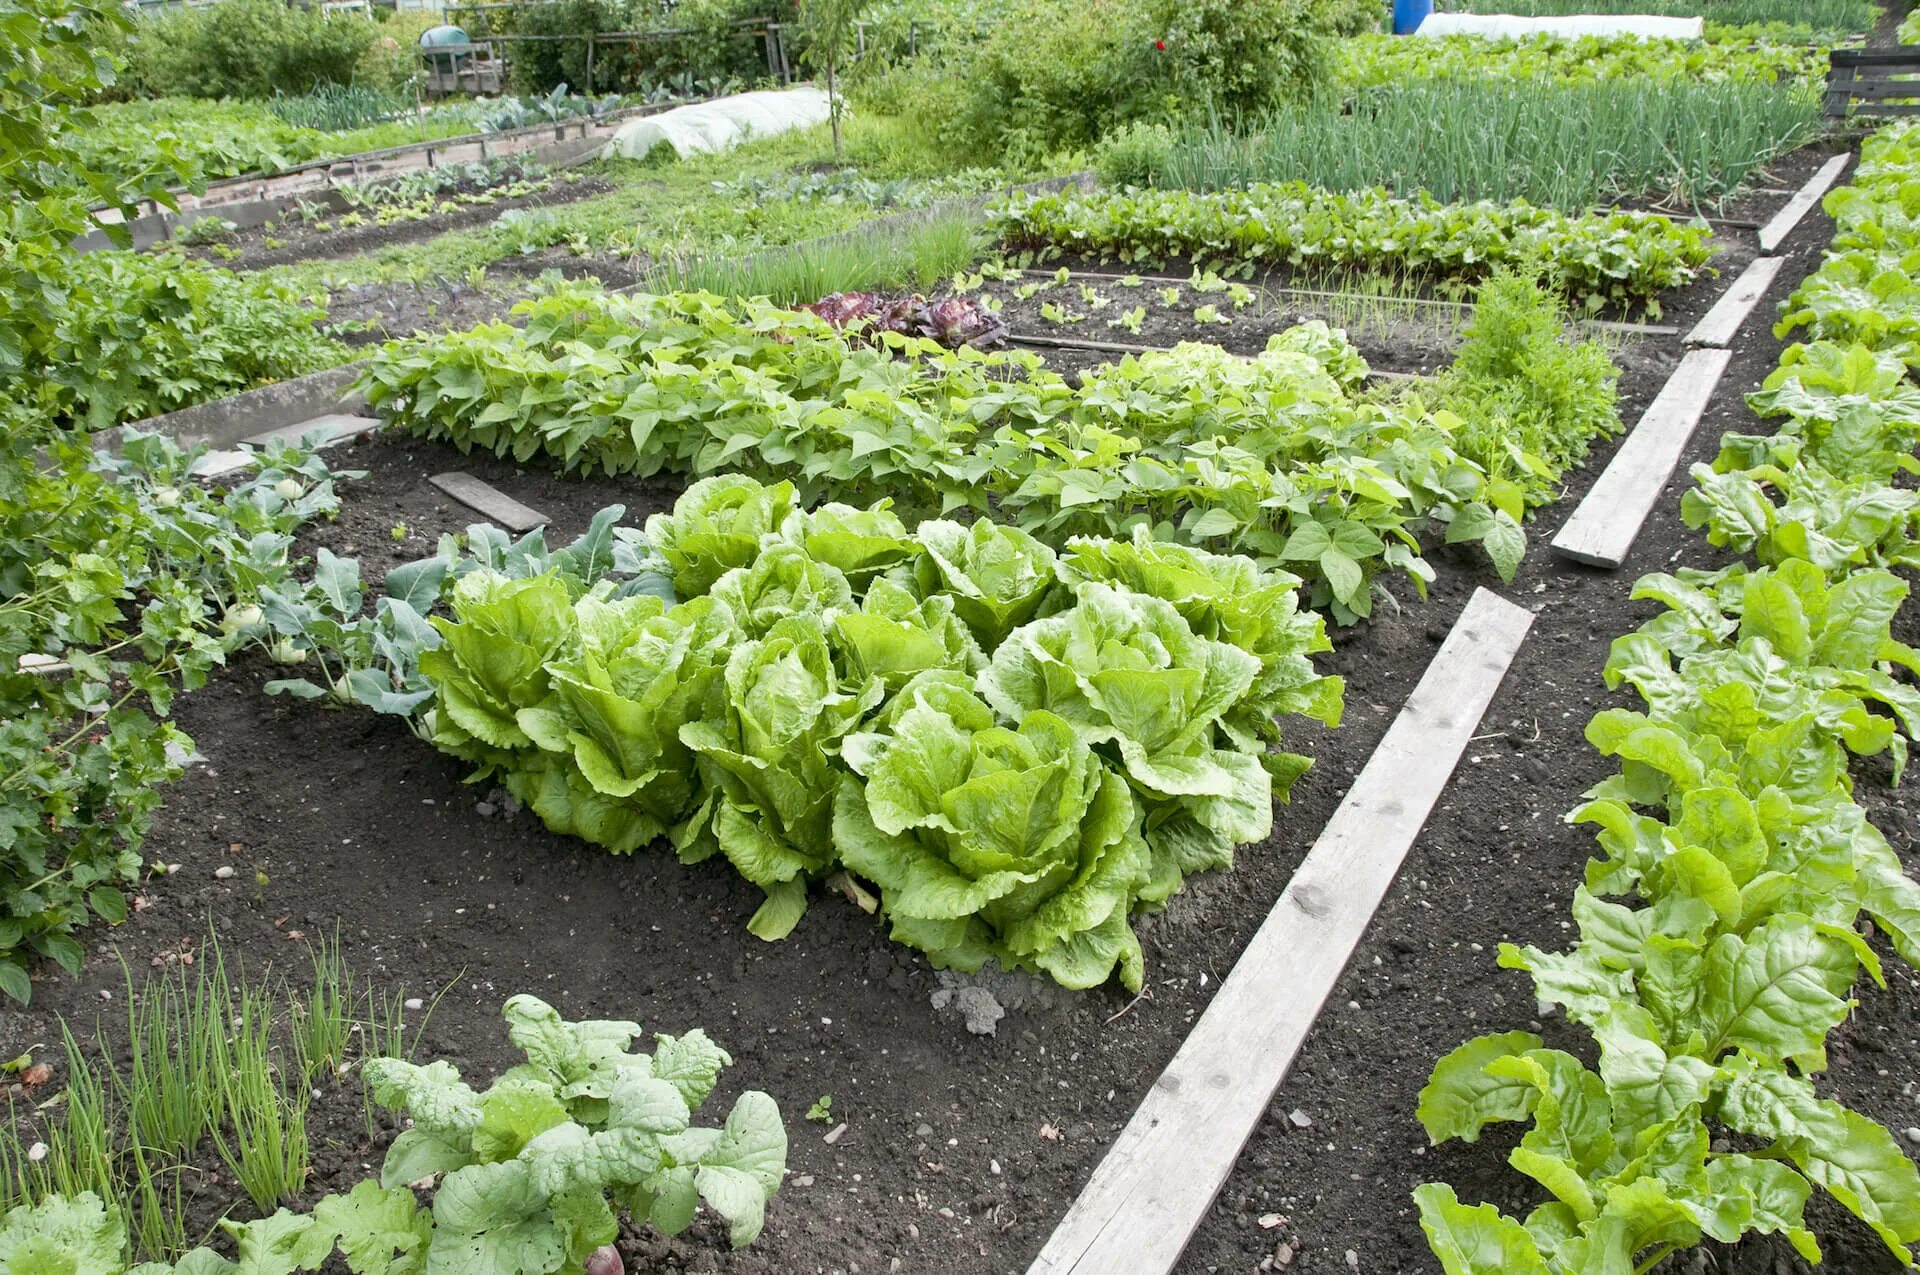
(831, 37)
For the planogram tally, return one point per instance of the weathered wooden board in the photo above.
(1775, 232)
(495, 504)
(1603, 528)
(1160, 1176)
(1722, 323)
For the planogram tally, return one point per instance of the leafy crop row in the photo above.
(1621, 258)
(1368, 60)
(1273, 457)
(537, 1169)
(127, 582)
(1720, 923)
(1019, 748)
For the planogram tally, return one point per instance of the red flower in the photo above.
(1160, 45)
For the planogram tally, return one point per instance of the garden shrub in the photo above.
(1133, 155)
(247, 49)
(705, 46)
(1047, 76)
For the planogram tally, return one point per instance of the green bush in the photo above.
(1055, 75)
(247, 49)
(1134, 155)
(705, 45)
(1530, 400)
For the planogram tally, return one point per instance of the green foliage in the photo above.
(139, 580)
(1271, 457)
(1530, 399)
(1136, 154)
(1018, 749)
(1385, 60)
(1493, 138)
(1044, 76)
(1719, 922)
(918, 256)
(1830, 19)
(1622, 258)
(204, 1064)
(537, 1169)
(339, 108)
(247, 49)
(144, 333)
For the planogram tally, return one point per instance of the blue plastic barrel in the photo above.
(1409, 14)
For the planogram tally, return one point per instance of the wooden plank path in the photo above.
(1722, 323)
(489, 500)
(1775, 232)
(1602, 530)
(1160, 1176)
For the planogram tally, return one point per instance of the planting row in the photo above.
(1732, 54)
(1019, 748)
(1720, 922)
(1274, 456)
(1623, 259)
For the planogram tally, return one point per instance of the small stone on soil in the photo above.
(223, 873)
(834, 1134)
(1299, 1119)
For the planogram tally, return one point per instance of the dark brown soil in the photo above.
(961, 1151)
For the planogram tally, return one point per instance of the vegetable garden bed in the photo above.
(961, 1151)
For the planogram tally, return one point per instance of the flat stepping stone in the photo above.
(490, 501)
(1729, 314)
(1159, 1178)
(1602, 530)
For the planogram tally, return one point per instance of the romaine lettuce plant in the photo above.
(989, 841)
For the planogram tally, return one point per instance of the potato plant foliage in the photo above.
(1720, 922)
(1277, 458)
(1020, 748)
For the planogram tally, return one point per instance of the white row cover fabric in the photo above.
(1509, 26)
(707, 128)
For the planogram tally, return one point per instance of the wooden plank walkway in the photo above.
(1160, 1176)
(1601, 531)
(495, 504)
(1722, 323)
(1775, 232)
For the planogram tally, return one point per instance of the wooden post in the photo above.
(588, 90)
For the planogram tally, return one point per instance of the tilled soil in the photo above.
(961, 1151)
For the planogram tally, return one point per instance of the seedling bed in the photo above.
(289, 237)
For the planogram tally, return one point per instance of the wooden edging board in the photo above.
(1722, 323)
(1601, 531)
(1775, 232)
(1158, 1179)
(490, 501)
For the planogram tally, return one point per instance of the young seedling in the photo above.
(822, 1109)
(1131, 320)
